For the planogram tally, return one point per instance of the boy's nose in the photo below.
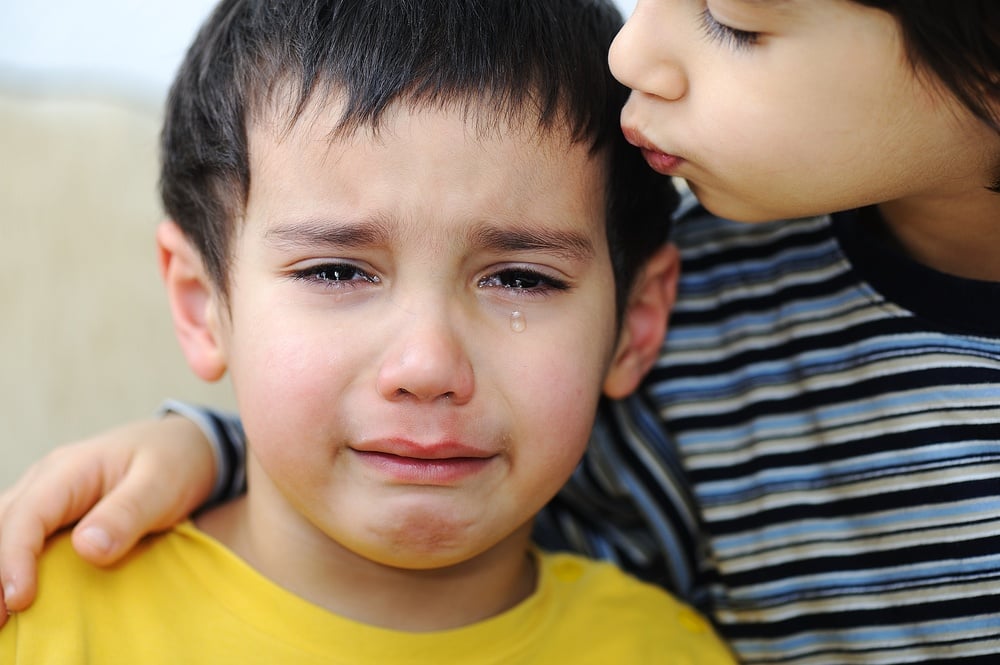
(641, 55)
(427, 361)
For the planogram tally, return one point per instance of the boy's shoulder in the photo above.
(619, 618)
(80, 604)
(62, 572)
(67, 581)
(583, 612)
(181, 579)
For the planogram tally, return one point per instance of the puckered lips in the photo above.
(658, 160)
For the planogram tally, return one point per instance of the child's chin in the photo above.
(419, 556)
(421, 540)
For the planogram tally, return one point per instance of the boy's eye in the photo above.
(522, 280)
(337, 274)
(720, 32)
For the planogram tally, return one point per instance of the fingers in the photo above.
(6, 581)
(169, 475)
(53, 493)
(153, 474)
(19, 587)
(148, 498)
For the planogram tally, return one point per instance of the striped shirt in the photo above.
(815, 459)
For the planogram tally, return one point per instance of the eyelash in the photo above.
(329, 274)
(722, 33)
(523, 281)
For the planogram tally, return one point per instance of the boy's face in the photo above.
(820, 111)
(391, 400)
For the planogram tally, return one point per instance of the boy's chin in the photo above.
(432, 542)
(721, 203)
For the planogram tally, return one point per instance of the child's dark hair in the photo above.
(543, 62)
(959, 43)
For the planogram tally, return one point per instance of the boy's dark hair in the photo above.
(959, 43)
(541, 61)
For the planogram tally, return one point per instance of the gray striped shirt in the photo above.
(815, 460)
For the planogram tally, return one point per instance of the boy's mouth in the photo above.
(411, 463)
(400, 447)
(444, 471)
(658, 160)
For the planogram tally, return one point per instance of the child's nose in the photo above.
(641, 56)
(427, 361)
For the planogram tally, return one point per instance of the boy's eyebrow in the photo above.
(310, 233)
(566, 244)
(767, 4)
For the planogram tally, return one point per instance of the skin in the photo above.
(402, 433)
(819, 111)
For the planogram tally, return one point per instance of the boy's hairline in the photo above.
(286, 116)
(493, 110)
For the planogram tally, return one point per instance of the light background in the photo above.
(122, 46)
(85, 336)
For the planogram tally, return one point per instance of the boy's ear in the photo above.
(644, 323)
(193, 302)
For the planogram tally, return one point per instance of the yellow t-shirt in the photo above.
(184, 598)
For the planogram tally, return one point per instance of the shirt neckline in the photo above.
(950, 303)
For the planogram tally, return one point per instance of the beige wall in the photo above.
(85, 337)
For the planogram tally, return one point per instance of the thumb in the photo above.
(143, 502)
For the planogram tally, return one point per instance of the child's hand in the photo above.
(147, 476)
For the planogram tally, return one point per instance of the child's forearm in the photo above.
(225, 435)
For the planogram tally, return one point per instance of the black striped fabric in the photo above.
(815, 460)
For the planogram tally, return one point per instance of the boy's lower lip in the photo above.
(419, 471)
(661, 162)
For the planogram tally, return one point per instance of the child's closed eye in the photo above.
(726, 35)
